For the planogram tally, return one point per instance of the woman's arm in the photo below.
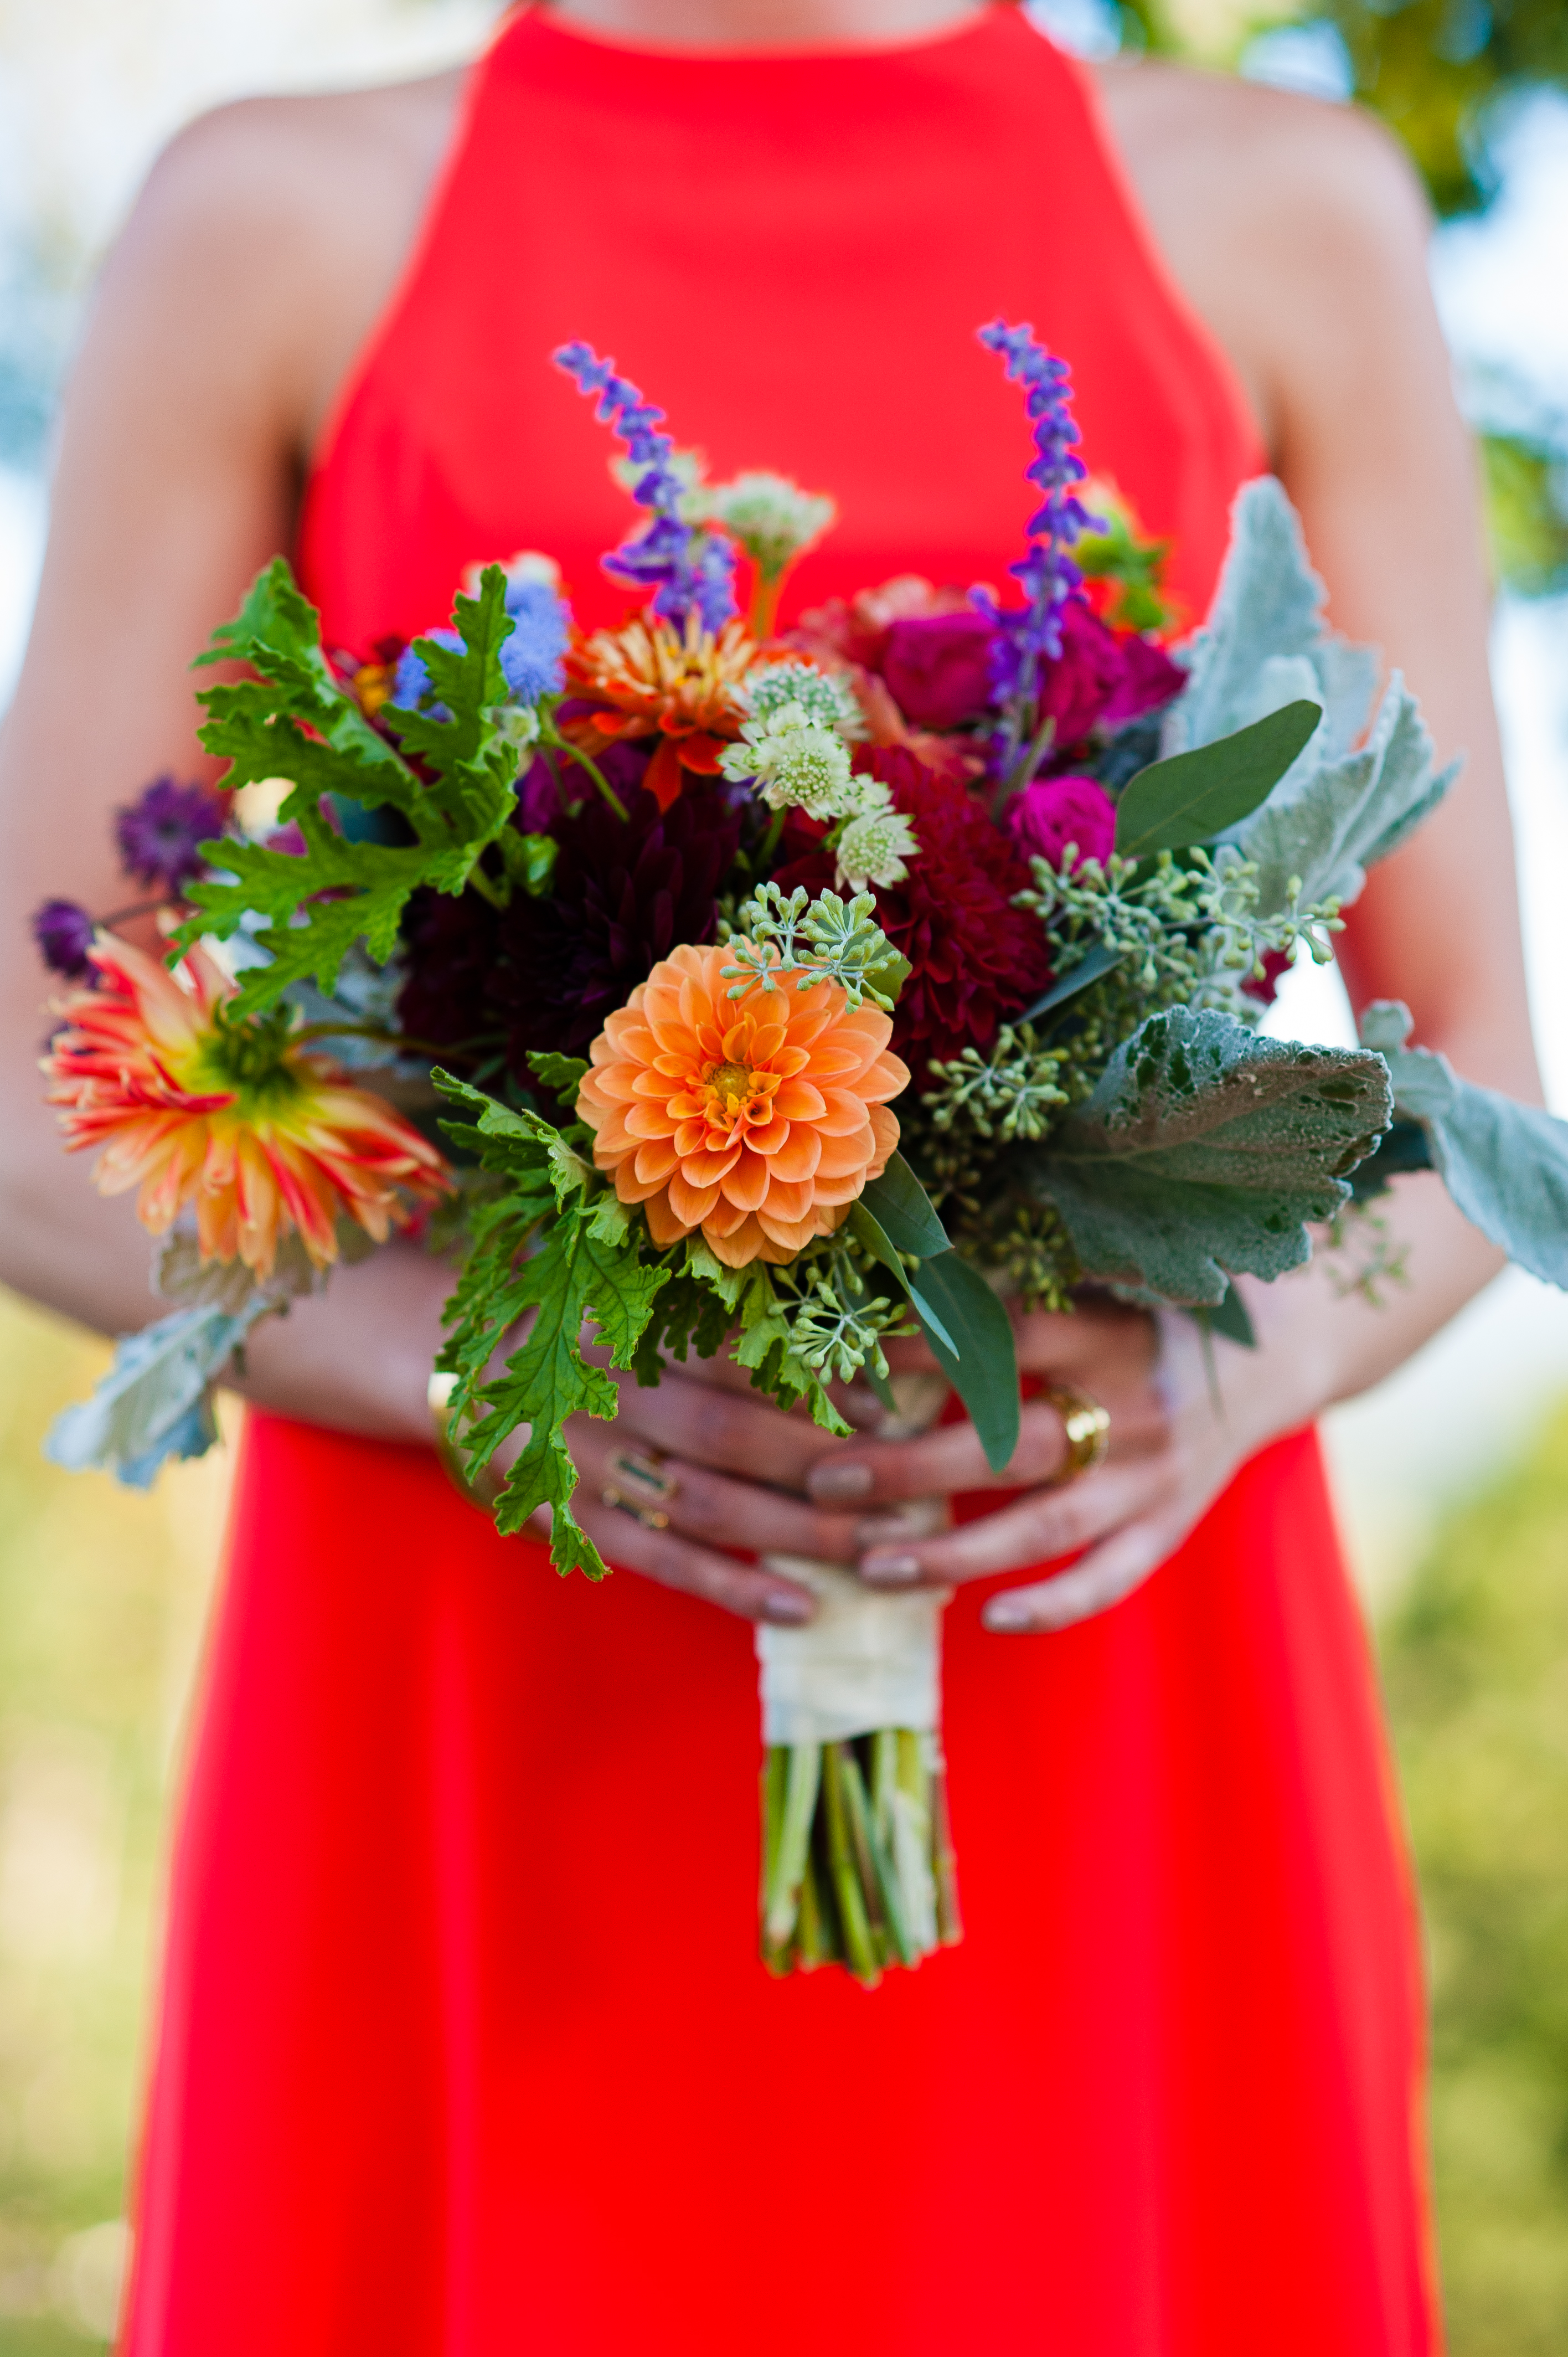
(256, 260)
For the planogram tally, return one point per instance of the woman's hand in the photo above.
(704, 1465)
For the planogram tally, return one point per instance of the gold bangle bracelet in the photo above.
(480, 1489)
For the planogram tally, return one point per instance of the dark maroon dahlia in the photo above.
(624, 894)
(977, 960)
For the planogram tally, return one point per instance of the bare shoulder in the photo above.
(283, 223)
(1280, 215)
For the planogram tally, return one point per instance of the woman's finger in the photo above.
(700, 1503)
(744, 1588)
(709, 1425)
(950, 1458)
(1097, 1580)
(1046, 1523)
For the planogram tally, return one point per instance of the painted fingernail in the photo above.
(835, 1485)
(1006, 1615)
(890, 1571)
(783, 1605)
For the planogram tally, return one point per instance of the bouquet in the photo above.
(703, 985)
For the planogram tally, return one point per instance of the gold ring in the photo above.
(646, 1474)
(1088, 1429)
(481, 1488)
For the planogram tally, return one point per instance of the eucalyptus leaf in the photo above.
(1096, 962)
(1195, 796)
(1504, 1164)
(972, 1344)
(1205, 1149)
(902, 1206)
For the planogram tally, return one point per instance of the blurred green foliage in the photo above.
(101, 1595)
(1475, 1666)
(1527, 512)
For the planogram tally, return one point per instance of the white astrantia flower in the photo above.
(874, 849)
(793, 760)
(772, 518)
(824, 697)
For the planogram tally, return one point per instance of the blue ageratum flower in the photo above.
(531, 658)
(1046, 571)
(411, 680)
(160, 834)
(693, 570)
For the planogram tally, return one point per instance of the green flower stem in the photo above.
(782, 1903)
(878, 1863)
(949, 1924)
(574, 752)
(860, 1950)
(815, 1943)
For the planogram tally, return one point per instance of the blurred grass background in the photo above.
(104, 1593)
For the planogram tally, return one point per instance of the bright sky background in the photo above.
(90, 92)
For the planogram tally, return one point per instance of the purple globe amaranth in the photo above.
(1045, 818)
(938, 668)
(159, 835)
(63, 931)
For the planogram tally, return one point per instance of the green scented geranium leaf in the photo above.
(970, 1338)
(902, 1208)
(561, 1075)
(1193, 797)
(1205, 1150)
(297, 722)
(1504, 1164)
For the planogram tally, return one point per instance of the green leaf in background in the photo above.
(1097, 961)
(1195, 796)
(1205, 1149)
(972, 1340)
(297, 722)
(902, 1208)
(562, 1075)
(1506, 1165)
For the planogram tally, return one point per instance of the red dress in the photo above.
(464, 2048)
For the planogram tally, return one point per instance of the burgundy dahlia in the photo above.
(624, 894)
(977, 960)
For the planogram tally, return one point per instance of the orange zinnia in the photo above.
(646, 679)
(260, 1134)
(757, 1120)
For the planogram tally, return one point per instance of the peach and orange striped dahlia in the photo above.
(758, 1121)
(260, 1134)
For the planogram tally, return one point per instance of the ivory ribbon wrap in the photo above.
(868, 1661)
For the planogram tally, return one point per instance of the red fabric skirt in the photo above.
(467, 2047)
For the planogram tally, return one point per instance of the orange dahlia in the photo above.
(191, 1107)
(646, 679)
(756, 1120)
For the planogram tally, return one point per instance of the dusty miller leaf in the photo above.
(1504, 1164)
(1205, 1150)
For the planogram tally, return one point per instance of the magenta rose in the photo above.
(1149, 679)
(1054, 811)
(938, 668)
(1079, 686)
